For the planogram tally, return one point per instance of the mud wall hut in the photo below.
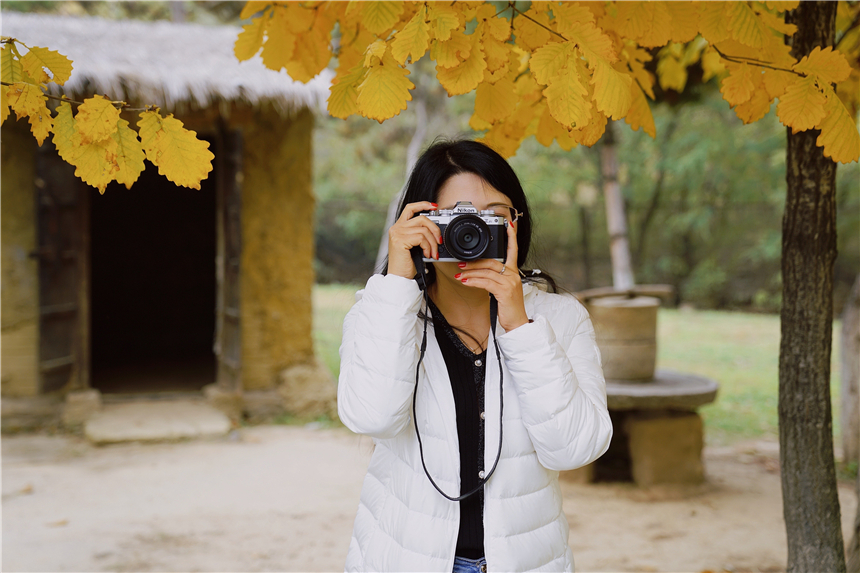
(160, 289)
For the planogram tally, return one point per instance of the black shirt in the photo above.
(466, 371)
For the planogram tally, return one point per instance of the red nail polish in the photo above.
(440, 239)
(457, 275)
(434, 204)
(464, 280)
(461, 265)
(437, 256)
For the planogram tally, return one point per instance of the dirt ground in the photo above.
(283, 498)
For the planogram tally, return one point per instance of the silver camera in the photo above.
(469, 234)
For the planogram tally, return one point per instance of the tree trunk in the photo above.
(585, 228)
(853, 552)
(616, 222)
(850, 374)
(851, 405)
(808, 470)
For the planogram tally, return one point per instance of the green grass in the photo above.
(739, 350)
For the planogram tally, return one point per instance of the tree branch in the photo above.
(120, 104)
(527, 17)
(760, 63)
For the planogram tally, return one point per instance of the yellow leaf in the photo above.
(659, 31)
(451, 52)
(802, 105)
(849, 92)
(546, 128)
(465, 77)
(594, 44)
(495, 102)
(129, 155)
(313, 56)
(12, 70)
(25, 99)
(4, 103)
(352, 51)
(745, 26)
(839, 136)
(591, 133)
(412, 39)
(570, 14)
(250, 39)
(95, 162)
(714, 21)
(712, 64)
(300, 19)
(611, 90)
(374, 52)
(479, 124)
(252, 8)
(280, 41)
(565, 97)
(64, 129)
(757, 106)
(738, 86)
(96, 119)
(776, 81)
(685, 21)
(41, 123)
(531, 36)
(635, 58)
(827, 65)
(497, 53)
(384, 91)
(548, 60)
(176, 151)
(640, 112)
(647, 22)
(379, 17)
(343, 100)
(671, 73)
(549, 129)
(444, 19)
(38, 58)
(777, 23)
(497, 27)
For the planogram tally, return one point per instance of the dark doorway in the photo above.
(153, 286)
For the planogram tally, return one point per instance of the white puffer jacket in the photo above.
(555, 418)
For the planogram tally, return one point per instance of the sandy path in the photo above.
(283, 498)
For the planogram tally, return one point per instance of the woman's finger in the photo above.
(422, 221)
(412, 208)
(419, 237)
(513, 248)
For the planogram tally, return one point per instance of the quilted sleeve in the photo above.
(560, 386)
(378, 357)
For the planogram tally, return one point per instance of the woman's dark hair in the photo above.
(445, 159)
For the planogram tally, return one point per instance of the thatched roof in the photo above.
(174, 66)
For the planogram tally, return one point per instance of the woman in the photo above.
(553, 399)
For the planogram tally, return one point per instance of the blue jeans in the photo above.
(463, 565)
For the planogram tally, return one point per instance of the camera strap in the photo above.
(421, 278)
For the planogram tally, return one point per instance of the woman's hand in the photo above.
(505, 286)
(408, 232)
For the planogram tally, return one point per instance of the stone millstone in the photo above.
(155, 421)
(667, 390)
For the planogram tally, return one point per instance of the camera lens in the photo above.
(467, 237)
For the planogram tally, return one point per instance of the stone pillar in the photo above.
(20, 272)
(665, 448)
